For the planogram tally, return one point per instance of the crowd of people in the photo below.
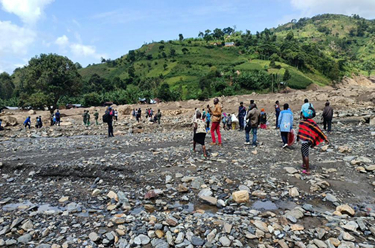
(249, 120)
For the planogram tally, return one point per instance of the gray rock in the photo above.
(331, 198)
(180, 238)
(24, 239)
(197, 241)
(224, 241)
(141, 240)
(94, 236)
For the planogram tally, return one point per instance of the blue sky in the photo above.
(85, 31)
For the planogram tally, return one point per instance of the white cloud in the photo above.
(28, 10)
(364, 8)
(79, 50)
(62, 41)
(15, 40)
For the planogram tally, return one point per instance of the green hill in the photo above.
(319, 50)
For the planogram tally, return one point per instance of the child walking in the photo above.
(199, 133)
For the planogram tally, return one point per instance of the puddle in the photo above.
(46, 207)
(264, 205)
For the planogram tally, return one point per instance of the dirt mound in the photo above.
(358, 80)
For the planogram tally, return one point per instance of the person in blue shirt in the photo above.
(1, 128)
(208, 120)
(241, 115)
(27, 122)
(285, 123)
(305, 108)
(57, 116)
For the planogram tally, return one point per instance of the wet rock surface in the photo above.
(73, 187)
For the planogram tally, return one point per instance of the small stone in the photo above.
(112, 195)
(159, 233)
(209, 199)
(227, 227)
(180, 238)
(96, 192)
(346, 236)
(320, 243)
(345, 209)
(24, 239)
(241, 196)
(94, 236)
(172, 221)
(331, 198)
(261, 225)
(64, 199)
(141, 240)
(225, 241)
(197, 241)
(297, 227)
(182, 189)
(293, 192)
(291, 170)
(370, 167)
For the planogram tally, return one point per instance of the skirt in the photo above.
(199, 138)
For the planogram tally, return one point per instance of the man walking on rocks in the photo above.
(327, 116)
(27, 122)
(310, 135)
(253, 120)
(216, 118)
(241, 115)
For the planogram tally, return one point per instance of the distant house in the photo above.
(107, 103)
(73, 105)
(11, 108)
(229, 44)
(155, 100)
(142, 100)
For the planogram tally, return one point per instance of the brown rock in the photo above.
(345, 209)
(241, 196)
(182, 189)
(159, 233)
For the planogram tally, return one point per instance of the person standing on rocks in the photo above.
(87, 118)
(84, 116)
(110, 113)
(285, 124)
(57, 116)
(277, 111)
(158, 116)
(208, 120)
(241, 115)
(263, 119)
(96, 115)
(199, 133)
(310, 135)
(139, 114)
(327, 116)
(1, 128)
(253, 120)
(216, 118)
(116, 115)
(27, 122)
(307, 110)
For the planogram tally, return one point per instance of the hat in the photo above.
(262, 110)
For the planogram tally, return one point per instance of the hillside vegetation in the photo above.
(319, 50)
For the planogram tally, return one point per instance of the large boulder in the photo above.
(31, 112)
(9, 121)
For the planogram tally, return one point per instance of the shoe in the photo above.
(220, 144)
(247, 143)
(285, 145)
(212, 143)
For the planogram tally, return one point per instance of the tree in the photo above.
(102, 60)
(131, 71)
(185, 50)
(218, 34)
(368, 66)
(180, 37)
(6, 86)
(173, 52)
(78, 65)
(131, 56)
(91, 99)
(164, 92)
(286, 76)
(49, 77)
(290, 36)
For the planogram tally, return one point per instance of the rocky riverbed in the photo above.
(73, 187)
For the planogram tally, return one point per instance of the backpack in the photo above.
(310, 112)
(263, 118)
(106, 117)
